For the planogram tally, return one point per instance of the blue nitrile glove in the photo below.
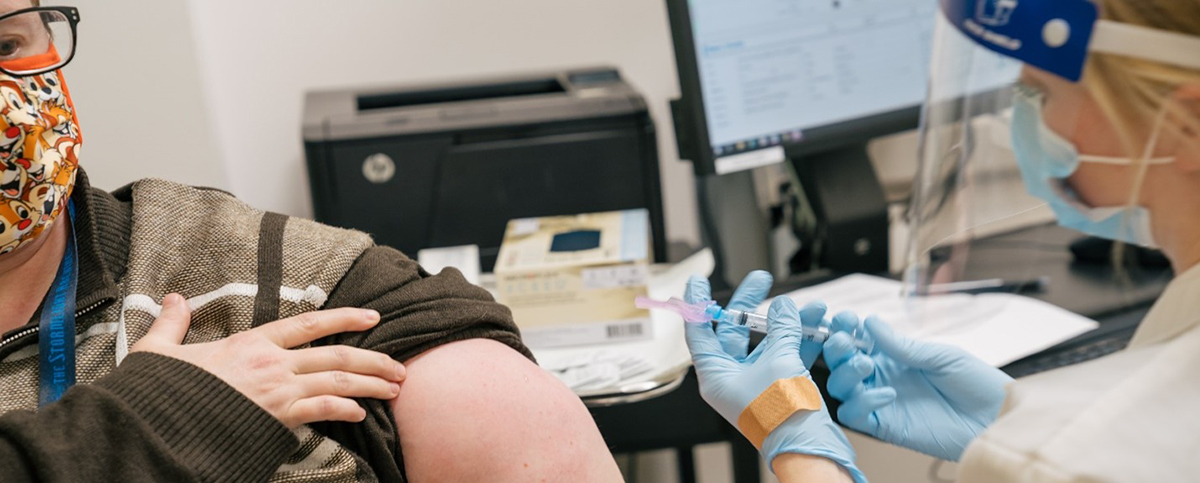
(735, 339)
(730, 379)
(932, 398)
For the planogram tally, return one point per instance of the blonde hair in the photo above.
(1138, 96)
(1132, 92)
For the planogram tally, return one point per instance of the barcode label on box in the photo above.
(625, 331)
(609, 331)
(614, 277)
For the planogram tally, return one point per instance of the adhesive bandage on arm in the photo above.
(775, 405)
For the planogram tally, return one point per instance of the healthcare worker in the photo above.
(1101, 117)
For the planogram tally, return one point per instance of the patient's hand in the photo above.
(296, 386)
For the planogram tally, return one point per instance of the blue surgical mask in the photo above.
(1046, 161)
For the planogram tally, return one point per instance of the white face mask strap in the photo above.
(1140, 179)
(1146, 43)
(1119, 161)
(1147, 152)
(1152, 143)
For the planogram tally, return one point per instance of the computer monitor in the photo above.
(768, 80)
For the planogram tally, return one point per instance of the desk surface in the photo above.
(1089, 289)
(1093, 290)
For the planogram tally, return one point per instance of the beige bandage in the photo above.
(771, 408)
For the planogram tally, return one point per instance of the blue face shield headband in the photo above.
(1056, 36)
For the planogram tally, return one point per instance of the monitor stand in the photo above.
(733, 226)
(851, 232)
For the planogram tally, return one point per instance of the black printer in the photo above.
(451, 164)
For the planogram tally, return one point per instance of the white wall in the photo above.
(209, 92)
(136, 84)
(258, 58)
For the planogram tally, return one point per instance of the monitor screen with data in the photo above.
(773, 73)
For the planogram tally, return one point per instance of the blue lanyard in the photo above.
(56, 341)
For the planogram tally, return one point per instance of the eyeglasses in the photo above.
(37, 40)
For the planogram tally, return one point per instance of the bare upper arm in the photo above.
(476, 410)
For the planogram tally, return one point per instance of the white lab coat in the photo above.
(1133, 416)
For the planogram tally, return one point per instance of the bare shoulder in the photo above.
(477, 410)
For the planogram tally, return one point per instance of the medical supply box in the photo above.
(449, 164)
(572, 280)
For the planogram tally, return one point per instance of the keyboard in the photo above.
(1083, 351)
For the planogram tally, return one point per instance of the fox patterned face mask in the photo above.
(39, 152)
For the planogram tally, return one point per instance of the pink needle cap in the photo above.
(694, 313)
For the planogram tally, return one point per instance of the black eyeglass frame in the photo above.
(72, 15)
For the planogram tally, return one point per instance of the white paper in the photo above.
(592, 375)
(598, 369)
(525, 226)
(465, 258)
(568, 361)
(998, 328)
(635, 367)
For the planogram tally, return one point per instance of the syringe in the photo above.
(711, 312)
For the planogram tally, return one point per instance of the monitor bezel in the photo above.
(693, 115)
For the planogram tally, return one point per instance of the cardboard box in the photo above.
(571, 280)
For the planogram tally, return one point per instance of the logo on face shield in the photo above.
(995, 12)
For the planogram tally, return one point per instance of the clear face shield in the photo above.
(1000, 157)
(968, 189)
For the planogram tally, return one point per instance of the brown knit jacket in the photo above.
(145, 417)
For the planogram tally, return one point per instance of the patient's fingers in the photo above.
(310, 326)
(325, 408)
(349, 359)
(172, 323)
(346, 384)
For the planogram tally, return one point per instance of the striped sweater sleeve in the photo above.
(419, 311)
(153, 419)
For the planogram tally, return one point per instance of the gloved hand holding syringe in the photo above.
(711, 312)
